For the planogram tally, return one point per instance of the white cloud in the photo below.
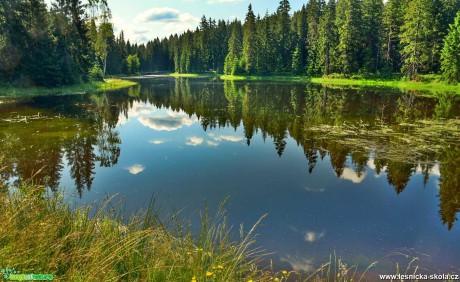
(122, 119)
(312, 236)
(161, 124)
(135, 169)
(231, 138)
(212, 143)
(155, 22)
(145, 110)
(156, 142)
(170, 122)
(434, 171)
(350, 174)
(298, 264)
(194, 141)
(159, 15)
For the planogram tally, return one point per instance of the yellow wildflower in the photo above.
(209, 273)
(189, 253)
(276, 279)
(284, 272)
(250, 280)
(220, 267)
(194, 279)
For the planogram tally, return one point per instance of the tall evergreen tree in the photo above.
(267, 46)
(233, 60)
(328, 39)
(300, 32)
(284, 37)
(349, 20)
(314, 11)
(393, 19)
(417, 36)
(250, 42)
(450, 56)
(372, 19)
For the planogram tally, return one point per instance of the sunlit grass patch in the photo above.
(41, 234)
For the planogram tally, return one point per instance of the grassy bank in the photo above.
(107, 85)
(196, 75)
(431, 85)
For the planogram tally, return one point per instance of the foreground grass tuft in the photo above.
(41, 234)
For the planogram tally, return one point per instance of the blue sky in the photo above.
(144, 20)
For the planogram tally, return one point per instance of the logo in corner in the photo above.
(6, 272)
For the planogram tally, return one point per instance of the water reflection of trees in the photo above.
(352, 128)
(80, 132)
(396, 132)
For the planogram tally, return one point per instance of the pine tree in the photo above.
(393, 19)
(417, 37)
(300, 31)
(267, 46)
(233, 60)
(450, 56)
(249, 42)
(372, 17)
(314, 11)
(350, 28)
(284, 37)
(328, 39)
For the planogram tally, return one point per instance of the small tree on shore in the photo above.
(133, 64)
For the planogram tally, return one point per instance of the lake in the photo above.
(368, 175)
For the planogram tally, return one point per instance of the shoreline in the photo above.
(432, 85)
(109, 84)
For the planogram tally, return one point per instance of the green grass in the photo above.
(429, 86)
(432, 85)
(41, 234)
(196, 75)
(265, 78)
(107, 85)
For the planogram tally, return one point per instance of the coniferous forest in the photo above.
(72, 42)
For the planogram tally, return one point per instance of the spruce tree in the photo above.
(393, 19)
(328, 39)
(417, 37)
(300, 32)
(450, 56)
(233, 60)
(284, 37)
(372, 19)
(249, 42)
(314, 10)
(267, 46)
(349, 20)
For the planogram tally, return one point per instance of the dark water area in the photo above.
(369, 175)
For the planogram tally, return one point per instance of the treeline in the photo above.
(71, 42)
(347, 37)
(60, 44)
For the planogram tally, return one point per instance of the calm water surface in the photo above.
(368, 175)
